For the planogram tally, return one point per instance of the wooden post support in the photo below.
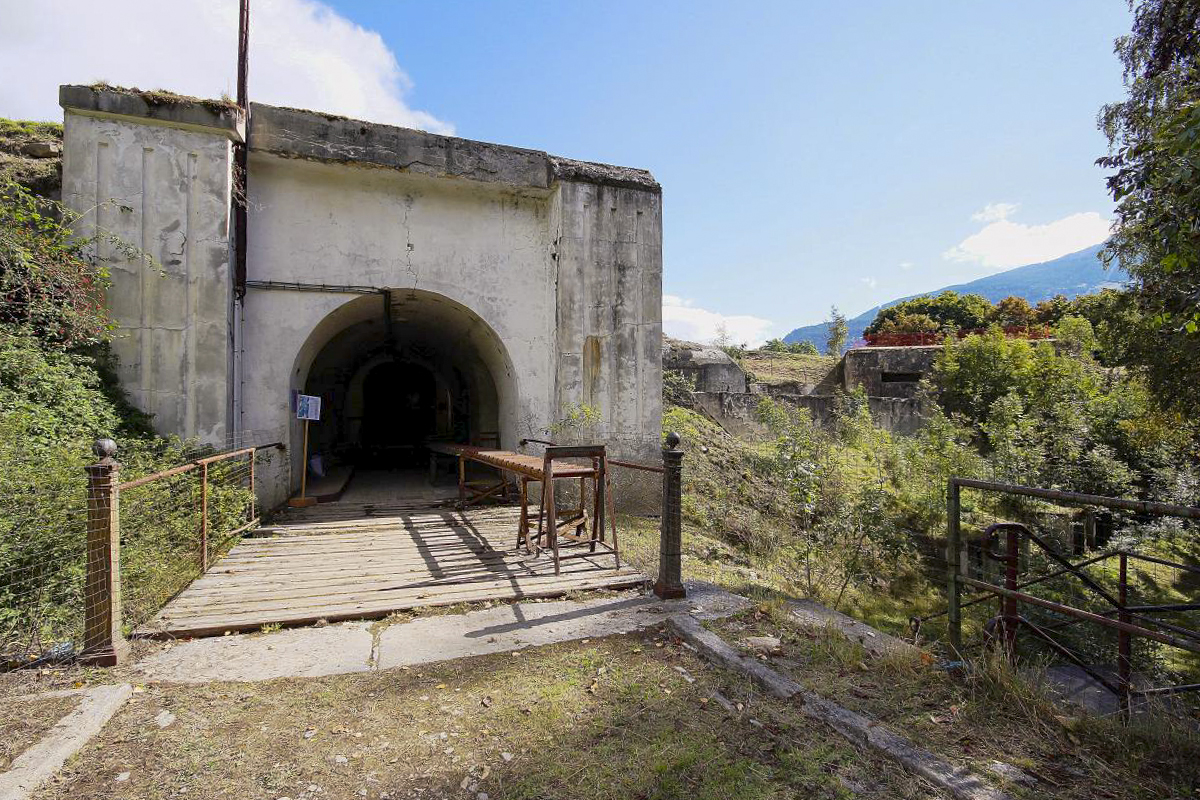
(303, 501)
(953, 587)
(670, 548)
(103, 644)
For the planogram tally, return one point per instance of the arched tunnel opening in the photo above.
(396, 370)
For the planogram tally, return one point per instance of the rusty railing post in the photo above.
(1009, 604)
(204, 518)
(103, 644)
(953, 587)
(253, 496)
(670, 548)
(1124, 643)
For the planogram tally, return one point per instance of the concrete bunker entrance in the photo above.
(395, 369)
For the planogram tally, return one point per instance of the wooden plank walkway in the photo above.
(333, 565)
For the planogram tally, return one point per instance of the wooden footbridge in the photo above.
(391, 542)
(335, 562)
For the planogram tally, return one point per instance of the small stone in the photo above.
(164, 719)
(481, 796)
(1011, 773)
(340, 760)
(124, 776)
(41, 149)
(507, 756)
(764, 644)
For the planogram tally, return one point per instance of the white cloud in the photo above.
(994, 212)
(906, 265)
(870, 283)
(684, 320)
(302, 53)
(1002, 243)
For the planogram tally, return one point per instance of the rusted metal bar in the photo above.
(191, 465)
(166, 473)
(1067, 654)
(1085, 615)
(1124, 645)
(241, 154)
(1141, 506)
(953, 584)
(1161, 561)
(983, 598)
(1011, 621)
(204, 518)
(631, 465)
(253, 495)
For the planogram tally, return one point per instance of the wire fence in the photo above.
(181, 504)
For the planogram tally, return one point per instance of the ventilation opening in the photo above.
(902, 377)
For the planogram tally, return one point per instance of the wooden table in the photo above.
(555, 464)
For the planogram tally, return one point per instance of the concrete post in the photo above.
(103, 644)
(670, 549)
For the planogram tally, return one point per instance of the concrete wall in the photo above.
(888, 371)
(476, 246)
(542, 272)
(737, 412)
(159, 179)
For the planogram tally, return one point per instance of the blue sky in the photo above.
(811, 153)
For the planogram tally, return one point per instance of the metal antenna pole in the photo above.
(240, 153)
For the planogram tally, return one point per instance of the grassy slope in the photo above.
(629, 716)
(737, 525)
(774, 369)
(989, 715)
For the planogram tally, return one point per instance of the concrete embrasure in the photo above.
(360, 646)
(42, 760)
(861, 730)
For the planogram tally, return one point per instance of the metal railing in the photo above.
(1119, 591)
(172, 551)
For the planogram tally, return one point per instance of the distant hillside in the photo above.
(1071, 275)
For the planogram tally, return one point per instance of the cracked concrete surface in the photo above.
(362, 647)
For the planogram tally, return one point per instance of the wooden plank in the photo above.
(210, 627)
(325, 571)
(399, 593)
(360, 567)
(338, 591)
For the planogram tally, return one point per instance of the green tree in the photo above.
(1154, 158)
(839, 332)
(909, 323)
(948, 309)
(1014, 312)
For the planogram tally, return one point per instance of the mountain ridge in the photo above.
(1072, 275)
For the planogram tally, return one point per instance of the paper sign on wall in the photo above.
(308, 407)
